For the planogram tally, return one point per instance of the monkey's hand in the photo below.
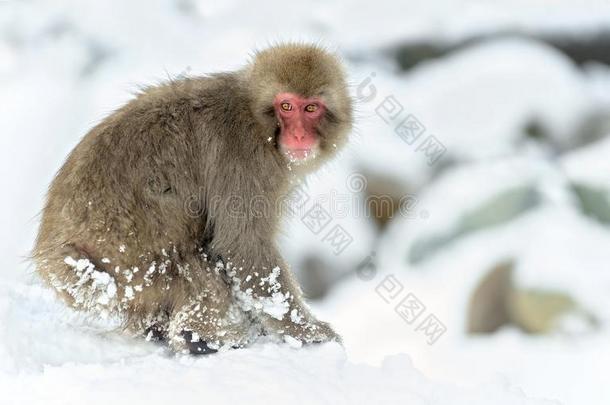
(276, 301)
(313, 332)
(269, 292)
(286, 316)
(297, 329)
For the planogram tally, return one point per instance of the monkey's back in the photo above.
(122, 193)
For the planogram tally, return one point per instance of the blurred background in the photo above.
(467, 224)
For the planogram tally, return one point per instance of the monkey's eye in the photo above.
(286, 106)
(311, 107)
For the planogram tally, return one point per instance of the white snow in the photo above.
(292, 342)
(66, 359)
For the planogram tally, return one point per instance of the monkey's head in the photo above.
(299, 95)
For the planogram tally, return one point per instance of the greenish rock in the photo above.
(498, 210)
(497, 302)
(594, 202)
(539, 311)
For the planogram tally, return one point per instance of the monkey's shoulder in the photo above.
(192, 93)
(188, 103)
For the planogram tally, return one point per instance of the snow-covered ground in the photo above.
(64, 65)
(51, 356)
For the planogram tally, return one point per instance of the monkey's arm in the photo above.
(264, 285)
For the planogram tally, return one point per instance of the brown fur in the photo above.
(145, 197)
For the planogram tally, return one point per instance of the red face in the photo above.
(298, 117)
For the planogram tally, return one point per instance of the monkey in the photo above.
(150, 220)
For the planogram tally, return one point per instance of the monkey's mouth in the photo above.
(299, 156)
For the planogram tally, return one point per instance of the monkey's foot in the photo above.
(195, 345)
(155, 333)
(189, 341)
(202, 329)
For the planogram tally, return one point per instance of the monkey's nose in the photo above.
(298, 134)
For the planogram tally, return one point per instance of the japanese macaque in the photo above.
(165, 214)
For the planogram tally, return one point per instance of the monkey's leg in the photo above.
(155, 326)
(87, 284)
(209, 320)
(80, 281)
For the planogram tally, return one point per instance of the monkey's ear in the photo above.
(331, 117)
